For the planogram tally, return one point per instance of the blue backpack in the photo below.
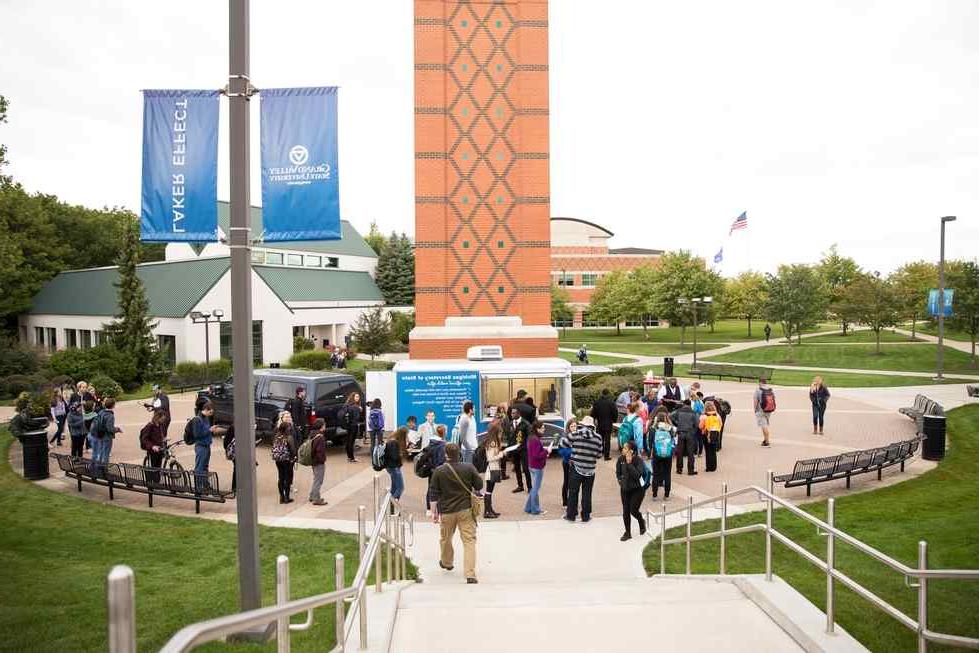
(663, 444)
(631, 429)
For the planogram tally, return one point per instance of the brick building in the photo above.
(580, 256)
(482, 193)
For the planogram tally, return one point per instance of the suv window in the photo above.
(283, 389)
(327, 392)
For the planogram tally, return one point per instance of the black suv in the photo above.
(326, 392)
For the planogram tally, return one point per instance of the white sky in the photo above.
(854, 122)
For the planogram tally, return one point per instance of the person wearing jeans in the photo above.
(536, 460)
(630, 472)
(59, 411)
(586, 448)
(395, 450)
(818, 396)
(76, 429)
(203, 435)
(104, 430)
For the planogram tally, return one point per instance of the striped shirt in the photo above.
(586, 447)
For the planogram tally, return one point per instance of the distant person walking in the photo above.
(819, 397)
(768, 331)
(586, 447)
(375, 423)
(59, 413)
(317, 450)
(536, 460)
(453, 485)
(76, 429)
(349, 417)
(431, 458)
(605, 414)
(467, 432)
(284, 457)
(630, 472)
(764, 406)
(395, 451)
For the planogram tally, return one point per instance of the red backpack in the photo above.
(767, 400)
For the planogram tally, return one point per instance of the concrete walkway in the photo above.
(951, 344)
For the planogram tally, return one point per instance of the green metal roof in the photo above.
(311, 285)
(351, 243)
(173, 288)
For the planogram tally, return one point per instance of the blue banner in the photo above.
(300, 183)
(180, 166)
(443, 391)
(933, 302)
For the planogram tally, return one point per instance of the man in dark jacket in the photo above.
(605, 413)
(687, 426)
(518, 435)
(297, 408)
(318, 445)
(453, 485)
(160, 401)
(527, 410)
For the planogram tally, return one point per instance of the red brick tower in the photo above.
(482, 195)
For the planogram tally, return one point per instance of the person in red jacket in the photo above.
(152, 440)
(318, 446)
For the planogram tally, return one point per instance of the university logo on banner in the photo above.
(300, 183)
(180, 166)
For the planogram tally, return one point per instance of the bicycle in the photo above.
(170, 461)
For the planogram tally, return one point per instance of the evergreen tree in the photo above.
(375, 239)
(396, 271)
(132, 331)
(372, 333)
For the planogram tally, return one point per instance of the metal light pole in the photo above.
(239, 91)
(941, 299)
(694, 303)
(205, 318)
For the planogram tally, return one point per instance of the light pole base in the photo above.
(938, 379)
(259, 634)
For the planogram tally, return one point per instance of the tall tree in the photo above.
(132, 331)
(372, 333)
(3, 119)
(877, 304)
(912, 281)
(963, 277)
(642, 306)
(797, 298)
(560, 308)
(611, 300)
(745, 296)
(396, 271)
(376, 239)
(680, 275)
(838, 272)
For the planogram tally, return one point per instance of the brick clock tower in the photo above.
(482, 195)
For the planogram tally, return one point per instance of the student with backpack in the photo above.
(375, 423)
(630, 471)
(103, 431)
(764, 404)
(687, 426)
(395, 450)
(662, 443)
(284, 457)
(710, 427)
(430, 459)
(631, 428)
(312, 452)
(76, 429)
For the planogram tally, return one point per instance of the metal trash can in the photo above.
(668, 366)
(933, 447)
(35, 446)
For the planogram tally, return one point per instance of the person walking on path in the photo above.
(768, 331)
(453, 485)
(160, 401)
(687, 427)
(630, 471)
(59, 413)
(76, 429)
(317, 449)
(300, 414)
(536, 460)
(467, 432)
(493, 446)
(435, 452)
(395, 451)
(764, 406)
(103, 431)
(710, 428)
(519, 435)
(586, 447)
(819, 397)
(663, 438)
(605, 413)
(284, 457)
(349, 418)
(375, 423)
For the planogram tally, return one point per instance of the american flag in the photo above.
(741, 222)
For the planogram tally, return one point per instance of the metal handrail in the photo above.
(828, 566)
(389, 529)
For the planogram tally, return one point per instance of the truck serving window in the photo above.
(546, 392)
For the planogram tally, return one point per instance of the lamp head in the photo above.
(218, 313)
(948, 218)
(195, 315)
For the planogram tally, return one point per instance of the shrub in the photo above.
(17, 359)
(360, 373)
(401, 326)
(311, 360)
(105, 385)
(300, 343)
(82, 364)
(59, 380)
(41, 403)
(15, 384)
(190, 374)
(583, 397)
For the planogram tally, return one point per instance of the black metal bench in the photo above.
(921, 407)
(849, 464)
(972, 391)
(151, 481)
(739, 372)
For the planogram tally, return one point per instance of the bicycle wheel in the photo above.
(146, 460)
(175, 465)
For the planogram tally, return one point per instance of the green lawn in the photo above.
(950, 333)
(724, 331)
(56, 549)
(643, 349)
(938, 507)
(903, 358)
(595, 359)
(863, 335)
(837, 379)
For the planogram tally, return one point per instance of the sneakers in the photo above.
(567, 519)
(625, 537)
(516, 489)
(471, 581)
(693, 473)
(766, 443)
(318, 502)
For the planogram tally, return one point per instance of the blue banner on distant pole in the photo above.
(300, 183)
(180, 166)
(933, 302)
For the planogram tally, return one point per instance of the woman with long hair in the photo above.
(819, 397)
(59, 412)
(536, 460)
(395, 450)
(493, 445)
(630, 471)
(284, 456)
(349, 418)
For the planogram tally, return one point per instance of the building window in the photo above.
(499, 244)
(314, 261)
(86, 339)
(295, 259)
(98, 337)
(589, 279)
(39, 336)
(258, 256)
(590, 322)
(168, 347)
(333, 262)
(565, 279)
(465, 290)
(273, 258)
(500, 290)
(465, 244)
(562, 323)
(544, 390)
(226, 343)
(71, 338)
(52, 339)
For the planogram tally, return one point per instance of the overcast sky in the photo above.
(853, 122)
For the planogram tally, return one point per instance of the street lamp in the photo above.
(198, 317)
(694, 303)
(941, 299)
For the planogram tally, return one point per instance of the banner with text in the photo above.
(180, 166)
(442, 391)
(300, 186)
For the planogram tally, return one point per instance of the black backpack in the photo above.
(189, 431)
(479, 459)
(423, 463)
